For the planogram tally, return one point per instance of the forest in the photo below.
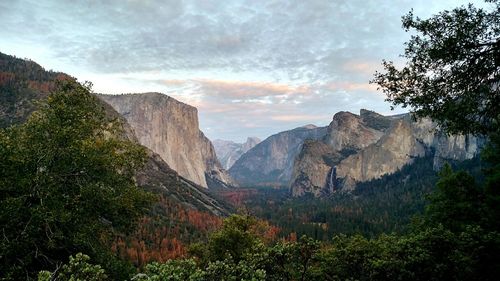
(71, 209)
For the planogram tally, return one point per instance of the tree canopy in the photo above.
(452, 69)
(66, 184)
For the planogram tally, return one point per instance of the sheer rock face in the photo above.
(228, 152)
(348, 131)
(271, 161)
(170, 129)
(366, 147)
(311, 166)
(394, 150)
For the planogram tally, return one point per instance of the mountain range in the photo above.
(307, 160)
(352, 149)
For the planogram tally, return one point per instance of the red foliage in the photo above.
(148, 245)
(237, 197)
(202, 221)
(42, 86)
(159, 238)
(292, 237)
(6, 77)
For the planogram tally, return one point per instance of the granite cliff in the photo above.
(270, 163)
(170, 128)
(228, 152)
(359, 148)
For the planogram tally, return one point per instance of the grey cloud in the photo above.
(297, 36)
(228, 108)
(323, 51)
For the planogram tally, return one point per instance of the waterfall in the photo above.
(332, 174)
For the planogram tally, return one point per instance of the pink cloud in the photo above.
(298, 117)
(362, 67)
(244, 89)
(350, 86)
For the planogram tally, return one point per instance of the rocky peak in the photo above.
(228, 152)
(348, 131)
(250, 143)
(394, 150)
(368, 146)
(170, 128)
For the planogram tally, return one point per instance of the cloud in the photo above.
(301, 118)
(350, 86)
(261, 65)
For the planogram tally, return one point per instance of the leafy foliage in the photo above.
(77, 269)
(452, 69)
(66, 184)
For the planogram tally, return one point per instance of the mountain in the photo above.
(229, 152)
(270, 163)
(185, 212)
(359, 148)
(170, 128)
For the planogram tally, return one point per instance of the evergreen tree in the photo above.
(66, 184)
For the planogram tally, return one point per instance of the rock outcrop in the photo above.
(314, 161)
(270, 163)
(228, 152)
(170, 129)
(349, 132)
(394, 150)
(368, 146)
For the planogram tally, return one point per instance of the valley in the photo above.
(247, 141)
(317, 182)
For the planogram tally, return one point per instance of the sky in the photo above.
(252, 68)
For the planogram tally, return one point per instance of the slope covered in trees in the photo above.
(183, 213)
(67, 184)
(22, 83)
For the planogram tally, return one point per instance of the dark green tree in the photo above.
(66, 184)
(234, 240)
(452, 69)
(452, 75)
(457, 202)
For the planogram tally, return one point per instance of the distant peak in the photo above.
(341, 115)
(253, 139)
(309, 126)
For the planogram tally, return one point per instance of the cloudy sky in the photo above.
(252, 68)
